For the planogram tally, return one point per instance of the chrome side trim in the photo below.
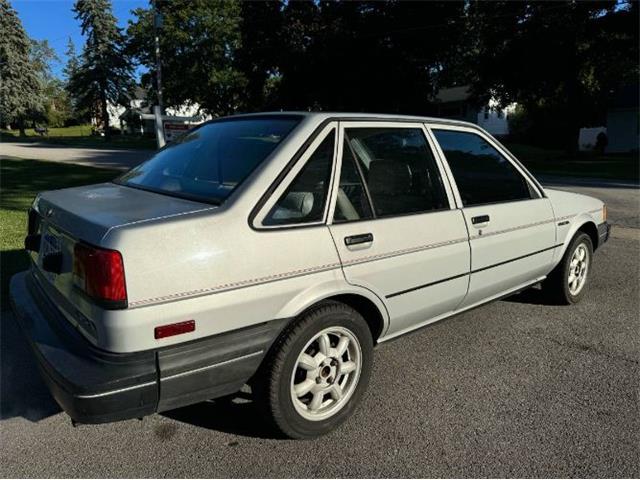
(215, 365)
(177, 375)
(113, 392)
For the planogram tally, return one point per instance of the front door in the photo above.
(511, 224)
(394, 224)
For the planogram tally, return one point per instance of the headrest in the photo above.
(387, 177)
(299, 202)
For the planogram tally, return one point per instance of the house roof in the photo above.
(129, 111)
(139, 93)
(453, 94)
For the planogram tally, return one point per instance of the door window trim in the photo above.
(531, 182)
(275, 194)
(355, 124)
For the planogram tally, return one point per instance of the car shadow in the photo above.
(23, 393)
(12, 261)
(531, 296)
(236, 414)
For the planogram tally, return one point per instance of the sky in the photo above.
(53, 20)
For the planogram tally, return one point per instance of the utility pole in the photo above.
(158, 109)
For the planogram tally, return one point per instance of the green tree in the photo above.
(73, 62)
(51, 110)
(58, 108)
(104, 74)
(71, 68)
(259, 52)
(559, 60)
(383, 56)
(199, 40)
(20, 87)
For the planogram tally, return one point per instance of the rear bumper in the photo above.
(604, 232)
(94, 386)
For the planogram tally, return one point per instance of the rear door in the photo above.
(394, 222)
(511, 224)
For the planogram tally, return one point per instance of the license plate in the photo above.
(50, 244)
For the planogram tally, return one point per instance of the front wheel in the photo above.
(317, 372)
(568, 281)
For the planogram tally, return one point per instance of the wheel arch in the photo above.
(362, 300)
(590, 228)
(367, 309)
(583, 224)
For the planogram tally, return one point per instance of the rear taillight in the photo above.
(100, 274)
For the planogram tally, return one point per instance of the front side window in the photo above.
(482, 174)
(209, 162)
(305, 199)
(399, 170)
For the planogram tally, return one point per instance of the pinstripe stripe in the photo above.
(235, 285)
(331, 266)
(405, 251)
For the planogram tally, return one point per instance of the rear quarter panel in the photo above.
(215, 269)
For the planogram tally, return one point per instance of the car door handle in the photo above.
(356, 239)
(480, 219)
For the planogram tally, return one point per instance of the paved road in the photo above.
(622, 198)
(121, 159)
(515, 388)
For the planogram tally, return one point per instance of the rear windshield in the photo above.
(209, 162)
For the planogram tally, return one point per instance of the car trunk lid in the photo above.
(63, 218)
(88, 213)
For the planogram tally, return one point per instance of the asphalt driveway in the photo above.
(122, 159)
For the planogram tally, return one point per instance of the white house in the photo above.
(454, 103)
(623, 120)
(130, 119)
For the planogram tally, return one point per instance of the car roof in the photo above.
(357, 116)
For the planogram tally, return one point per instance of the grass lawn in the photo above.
(80, 136)
(21, 180)
(556, 162)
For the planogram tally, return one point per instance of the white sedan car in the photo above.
(277, 250)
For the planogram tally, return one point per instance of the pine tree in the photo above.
(69, 71)
(104, 74)
(73, 62)
(20, 87)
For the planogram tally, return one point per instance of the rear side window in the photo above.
(398, 167)
(209, 162)
(482, 174)
(305, 199)
(352, 202)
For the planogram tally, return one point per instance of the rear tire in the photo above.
(316, 373)
(568, 282)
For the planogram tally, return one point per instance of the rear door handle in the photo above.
(480, 219)
(356, 239)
